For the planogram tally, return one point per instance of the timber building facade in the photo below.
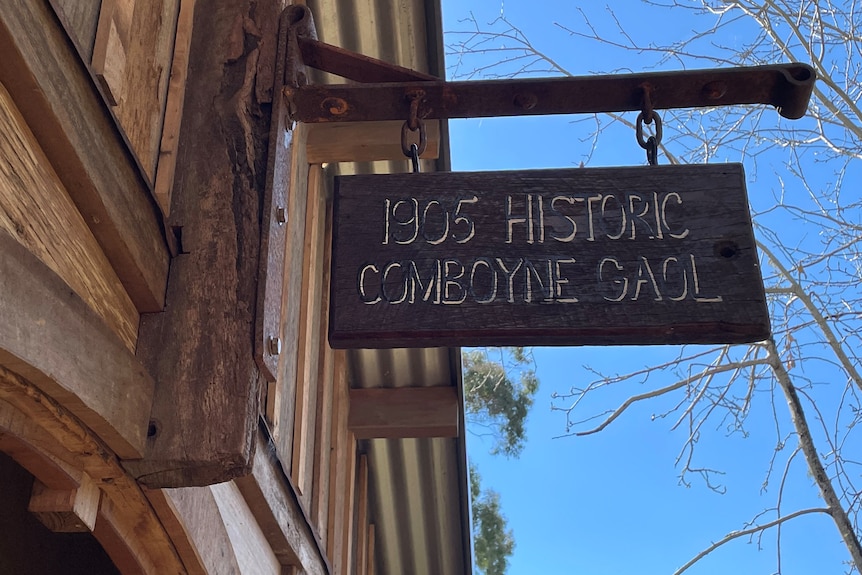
(169, 402)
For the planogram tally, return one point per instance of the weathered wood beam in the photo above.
(126, 527)
(191, 517)
(51, 337)
(787, 87)
(60, 102)
(404, 412)
(201, 350)
(276, 506)
(164, 181)
(38, 212)
(250, 546)
(364, 141)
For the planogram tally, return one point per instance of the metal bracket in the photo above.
(787, 87)
(289, 71)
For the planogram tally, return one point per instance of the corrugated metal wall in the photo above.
(418, 493)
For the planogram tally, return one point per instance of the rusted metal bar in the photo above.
(353, 66)
(787, 87)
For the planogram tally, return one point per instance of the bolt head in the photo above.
(274, 346)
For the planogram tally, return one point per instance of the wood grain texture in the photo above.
(285, 388)
(141, 110)
(338, 469)
(180, 534)
(404, 412)
(197, 516)
(312, 329)
(332, 366)
(80, 19)
(126, 528)
(250, 547)
(37, 211)
(201, 350)
(276, 507)
(366, 141)
(113, 41)
(66, 510)
(638, 255)
(164, 182)
(51, 336)
(58, 99)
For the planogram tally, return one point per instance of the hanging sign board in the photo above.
(589, 256)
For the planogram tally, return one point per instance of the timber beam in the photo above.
(404, 412)
(59, 101)
(787, 87)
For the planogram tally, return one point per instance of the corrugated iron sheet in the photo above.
(418, 491)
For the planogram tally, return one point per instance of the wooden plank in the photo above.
(167, 162)
(339, 456)
(148, 62)
(113, 41)
(174, 523)
(365, 141)
(201, 529)
(126, 526)
(285, 388)
(347, 533)
(362, 516)
(80, 19)
(370, 568)
(44, 325)
(599, 256)
(201, 347)
(277, 509)
(66, 510)
(325, 405)
(404, 412)
(311, 327)
(250, 547)
(59, 101)
(38, 212)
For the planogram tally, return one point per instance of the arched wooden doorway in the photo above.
(79, 484)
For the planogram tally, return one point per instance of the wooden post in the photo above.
(201, 349)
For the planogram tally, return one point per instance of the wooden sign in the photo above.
(590, 256)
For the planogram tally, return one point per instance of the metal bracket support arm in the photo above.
(787, 87)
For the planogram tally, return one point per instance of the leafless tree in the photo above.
(809, 237)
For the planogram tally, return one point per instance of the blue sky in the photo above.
(612, 503)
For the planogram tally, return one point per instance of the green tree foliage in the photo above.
(493, 542)
(499, 387)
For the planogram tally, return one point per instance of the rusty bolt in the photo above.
(526, 101)
(335, 106)
(274, 345)
(280, 215)
(715, 90)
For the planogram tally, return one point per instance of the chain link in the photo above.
(413, 150)
(652, 143)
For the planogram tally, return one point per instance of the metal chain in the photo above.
(414, 149)
(414, 122)
(652, 143)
